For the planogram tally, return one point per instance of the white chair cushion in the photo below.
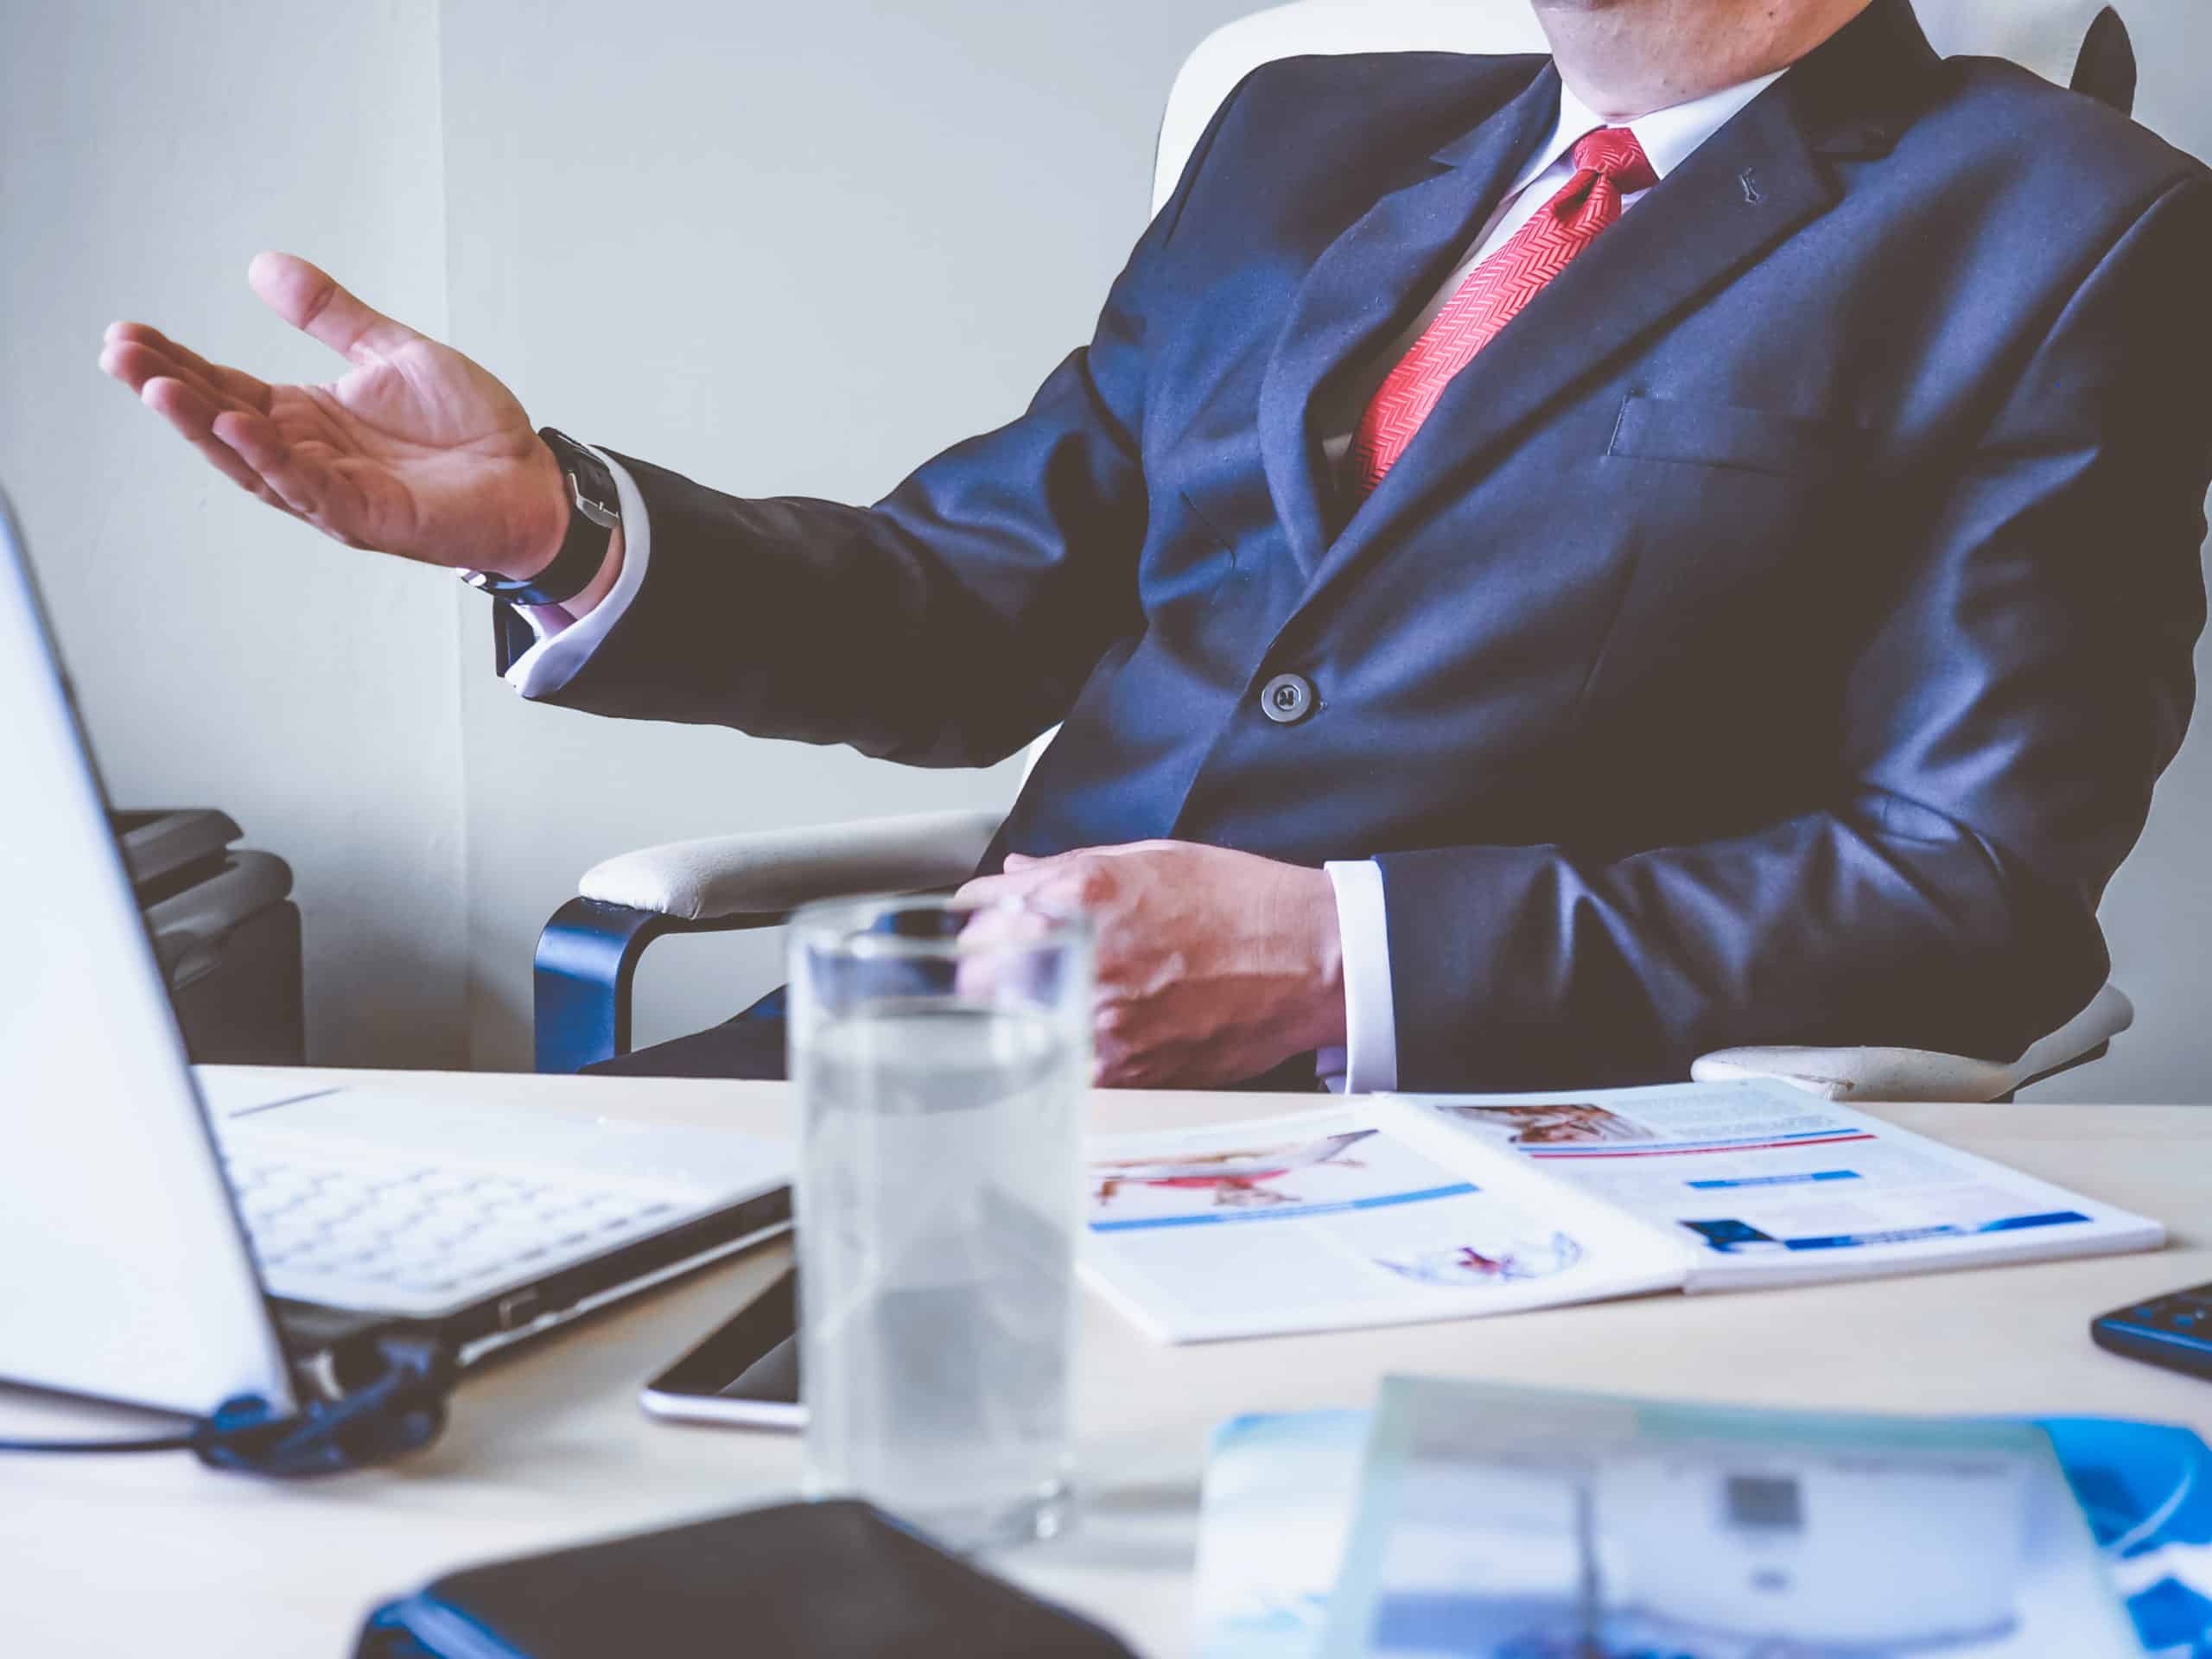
(773, 871)
(1893, 1074)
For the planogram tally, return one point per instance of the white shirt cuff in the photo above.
(1371, 1056)
(563, 645)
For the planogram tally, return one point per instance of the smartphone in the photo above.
(2174, 1331)
(746, 1373)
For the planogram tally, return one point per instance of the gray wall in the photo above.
(224, 655)
(785, 248)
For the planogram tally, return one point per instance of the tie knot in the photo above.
(1614, 153)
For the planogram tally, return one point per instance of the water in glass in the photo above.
(937, 1213)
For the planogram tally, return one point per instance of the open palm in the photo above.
(415, 451)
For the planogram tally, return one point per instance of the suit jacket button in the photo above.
(1287, 699)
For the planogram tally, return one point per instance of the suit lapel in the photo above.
(1752, 184)
(1368, 283)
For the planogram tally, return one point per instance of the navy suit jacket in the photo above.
(1773, 636)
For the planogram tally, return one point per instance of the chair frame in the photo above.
(585, 968)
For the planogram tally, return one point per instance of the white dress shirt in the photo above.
(1369, 1059)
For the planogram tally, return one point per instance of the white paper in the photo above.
(1335, 1219)
(1766, 1184)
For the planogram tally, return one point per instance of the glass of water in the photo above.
(941, 1053)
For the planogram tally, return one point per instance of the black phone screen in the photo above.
(746, 1371)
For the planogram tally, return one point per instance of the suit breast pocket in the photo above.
(1731, 435)
(1231, 501)
(1215, 528)
(1748, 538)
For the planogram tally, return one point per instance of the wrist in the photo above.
(589, 518)
(542, 521)
(1322, 1016)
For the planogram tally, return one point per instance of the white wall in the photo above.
(784, 248)
(226, 655)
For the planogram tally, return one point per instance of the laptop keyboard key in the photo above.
(417, 1229)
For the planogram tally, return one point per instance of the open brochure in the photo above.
(1397, 1209)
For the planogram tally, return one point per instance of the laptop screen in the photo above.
(123, 1270)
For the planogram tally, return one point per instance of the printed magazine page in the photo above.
(1325, 1220)
(1770, 1185)
(1507, 1523)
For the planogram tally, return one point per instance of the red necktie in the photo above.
(1609, 165)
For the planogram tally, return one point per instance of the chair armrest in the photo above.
(775, 871)
(1908, 1074)
(588, 955)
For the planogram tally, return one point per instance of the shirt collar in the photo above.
(1667, 135)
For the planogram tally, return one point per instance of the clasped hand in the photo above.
(1213, 966)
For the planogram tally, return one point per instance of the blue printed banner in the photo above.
(1907, 1235)
(1288, 1212)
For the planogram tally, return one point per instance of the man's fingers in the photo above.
(1030, 869)
(311, 300)
(224, 414)
(993, 889)
(257, 442)
(193, 416)
(1040, 881)
(1026, 862)
(136, 364)
(307, 483)
(138, 337)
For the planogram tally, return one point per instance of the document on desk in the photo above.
(1398, 1209)
(1351, 1215)
(1768, 1184)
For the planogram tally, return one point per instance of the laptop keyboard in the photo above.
(371, 1232)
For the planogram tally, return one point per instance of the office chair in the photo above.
(589, 950)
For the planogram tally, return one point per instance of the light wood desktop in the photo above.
(547, 1447)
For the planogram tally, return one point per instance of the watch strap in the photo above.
(595, 510)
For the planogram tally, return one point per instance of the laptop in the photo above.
(173, 1239)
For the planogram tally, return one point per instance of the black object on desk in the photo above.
(2174, 1331)
(226, 930)
(828, 1580)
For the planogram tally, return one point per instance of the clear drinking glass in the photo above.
(940, 1052)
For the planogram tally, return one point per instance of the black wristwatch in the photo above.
(594, 511)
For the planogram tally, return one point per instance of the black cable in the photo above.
(398, 1404)
(152, 1443)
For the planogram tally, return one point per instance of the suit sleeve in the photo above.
(2001, 733)
(948, 624)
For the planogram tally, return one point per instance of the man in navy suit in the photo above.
(1548, 566)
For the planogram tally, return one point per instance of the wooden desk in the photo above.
(154, 1555)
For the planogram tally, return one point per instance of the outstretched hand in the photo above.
(415, 451)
